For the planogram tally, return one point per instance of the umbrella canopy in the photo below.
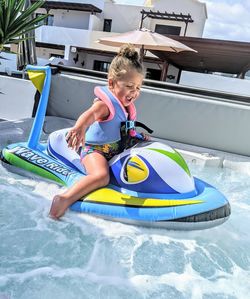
(27, 49)
(145, 40)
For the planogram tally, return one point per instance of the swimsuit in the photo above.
(108, 150)
(104, 137)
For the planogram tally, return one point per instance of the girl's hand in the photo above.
(146, 137)
(75, 138)
(76, 135)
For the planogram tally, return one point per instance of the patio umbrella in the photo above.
(145, 39)
(27, 49)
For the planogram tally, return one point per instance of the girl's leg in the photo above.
(97, 176)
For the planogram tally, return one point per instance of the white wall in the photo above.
(16, 98)
(95, 23)
(63, 36)
(128, 17)
(196, 9)
(78, 59)
(71, 19)
(68, 18)
(216, 82)
(71, 36)
(124, 17)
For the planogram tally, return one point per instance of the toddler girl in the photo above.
(97, 130)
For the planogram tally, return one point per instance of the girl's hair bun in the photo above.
(128, 51)
(126, 59)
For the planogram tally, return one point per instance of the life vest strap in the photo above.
(129, 136)
(131, 125)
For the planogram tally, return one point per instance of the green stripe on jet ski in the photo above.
(29, 166)
(176, 157)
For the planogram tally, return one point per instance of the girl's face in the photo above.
(127, 88)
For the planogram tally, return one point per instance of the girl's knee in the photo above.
(103, 179)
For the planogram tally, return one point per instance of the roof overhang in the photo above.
(212, 56)
(94, 51)
(70, 6)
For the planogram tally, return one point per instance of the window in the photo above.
(107, 25)
(56, 55)
(153, 74)
(166, 29)
(48, 21)
(101, 66)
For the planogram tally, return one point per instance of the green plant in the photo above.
(15, 22)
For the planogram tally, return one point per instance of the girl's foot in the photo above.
(58, 207)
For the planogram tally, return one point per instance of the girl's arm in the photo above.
(76, 136)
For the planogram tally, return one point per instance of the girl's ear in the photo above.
(110, 83)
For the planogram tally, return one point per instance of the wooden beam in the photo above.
(167, 16)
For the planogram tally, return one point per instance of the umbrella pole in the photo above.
(141, 54)
(164, 71)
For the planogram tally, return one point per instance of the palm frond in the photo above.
(15, 21)
(28, 25)
(16, 10)
(27, 14)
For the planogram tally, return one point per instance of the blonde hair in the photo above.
(126, 60)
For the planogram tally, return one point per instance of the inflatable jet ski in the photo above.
(150, 183)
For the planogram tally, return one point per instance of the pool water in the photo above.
(87, 257)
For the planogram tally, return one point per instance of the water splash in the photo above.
(87, 257)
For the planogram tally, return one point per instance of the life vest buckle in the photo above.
(129, 124)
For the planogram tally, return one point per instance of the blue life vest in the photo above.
(108, 131)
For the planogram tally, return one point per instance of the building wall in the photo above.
(80, 29)
(196, 9)
(128, 17)
(124, 17)
(77, 59)
(75, 40)
(69, 18)
(95, 23)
